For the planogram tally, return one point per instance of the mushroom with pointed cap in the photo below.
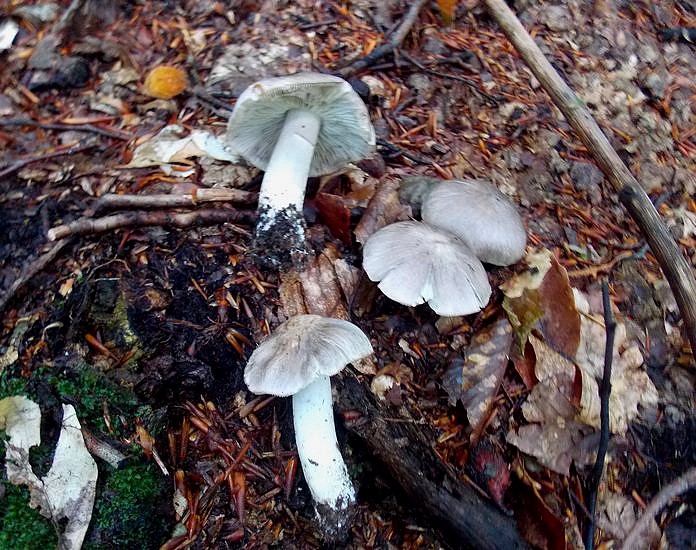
(416, 263)
(481, 216)
(292, 127)
(298, 359)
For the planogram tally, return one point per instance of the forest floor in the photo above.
(146, 330)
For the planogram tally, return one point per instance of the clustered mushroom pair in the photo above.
(310, 124)
(438, 260)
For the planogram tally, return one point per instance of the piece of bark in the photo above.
(404, 448)
(631, 194)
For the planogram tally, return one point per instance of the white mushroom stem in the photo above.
(315, 435)
(285, 180)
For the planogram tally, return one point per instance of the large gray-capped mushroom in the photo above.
(416, 263)
(293, 127)
(481, 216)
(298, 359)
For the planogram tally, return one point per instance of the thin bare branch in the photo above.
(31, 271)
(112, 201)
(679, 486)
(631, 194)
(395, 40)
(206, 216)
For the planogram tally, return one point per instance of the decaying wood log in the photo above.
(403, 447)
(675, 267)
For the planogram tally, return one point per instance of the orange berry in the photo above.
(165, 82)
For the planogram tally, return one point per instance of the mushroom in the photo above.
(416, 263)
(481, 216)
(292, 127)
(298, 359)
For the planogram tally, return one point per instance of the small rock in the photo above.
(421, 86)
(656, 84)
(587, 177)
(381, 127)
(654, 177)
(556, 163)
(433, 45)
(39, 13)
(375, 85)
(685, 181)
(406, 121)
(512, 110)
(69, 72)
(6, 106)
(556, 18)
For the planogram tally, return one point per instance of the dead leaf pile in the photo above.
(563, 407)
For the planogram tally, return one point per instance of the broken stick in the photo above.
(206, 216)
(29, 272)
(113, 201)
(679, 486)
(675, 267)
(395, 40)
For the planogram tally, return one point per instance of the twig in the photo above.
(604, 393)
(199, 90)
(116, 134)
(112, 201)
(29, 272)
(470, 83)
(600, 522)
(395, 40)
(68, 150)
(101, 449)
(223, 109)
(398, 151)
(681, 485)
(631, 194)
(206, 216)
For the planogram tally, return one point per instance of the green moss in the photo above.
(131, 510)
(90, 390)
(21, 527)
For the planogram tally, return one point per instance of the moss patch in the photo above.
(133, 504)
(21, 527)
(129, 512)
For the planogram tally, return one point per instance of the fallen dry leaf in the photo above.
(540, 526)
(169, 146)
(447, 9)
(555, 437)
(335, 214)
(491, 471)
(542, 298)
(630, 384)
(66, 493)
(384, 208)
(476, 379)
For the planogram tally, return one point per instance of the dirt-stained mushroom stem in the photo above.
(322, 464)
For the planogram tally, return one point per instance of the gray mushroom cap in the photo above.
(481, 216)
(346, 133)
(300, 350)
(416, 263)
